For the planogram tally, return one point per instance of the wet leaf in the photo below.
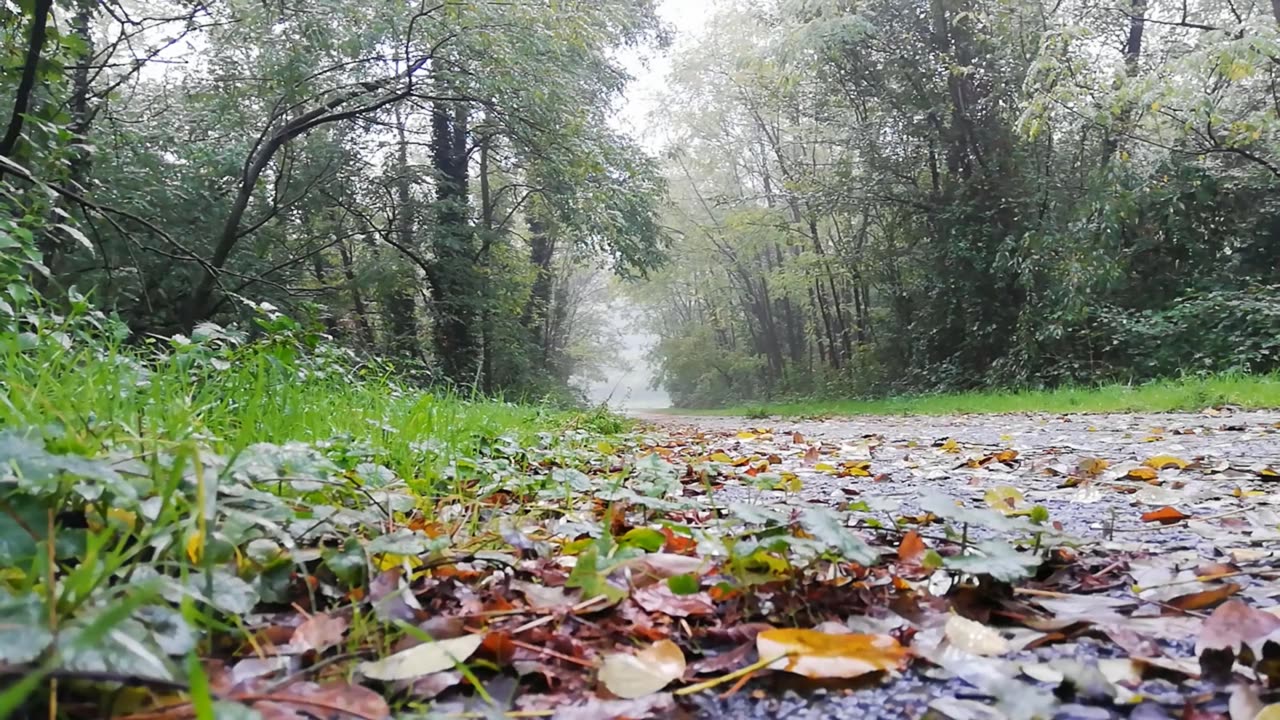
(424, 659)
(1205, 598)
(820, 655)
(1235, 625)
(1005, 499)
(974, 637)
(646, 672)
(1163, 462)
(319, 632)
(828, 527)
(1166, 515)
(997, 559)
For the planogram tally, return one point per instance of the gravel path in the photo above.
(1225, 485)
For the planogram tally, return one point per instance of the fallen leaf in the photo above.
(819, 655)
(1204, 598)
(648, 671)
(333, 701)
(1092, 466)
(1163, 462)
(319, 632)
(424, 659)
(652, 706)
(974, 637)
(1004, 498)
(1145, 474)
(661, 598)
(1235, 625)
(1270, 712)
(912, 548)
(1166, 515)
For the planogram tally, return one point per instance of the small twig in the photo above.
(1181, 523)
(553, 653)
(708, 684)
(1210, 578)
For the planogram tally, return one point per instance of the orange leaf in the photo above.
(1166, 515)
(1204, 598)
(817, 654)
(911, 549)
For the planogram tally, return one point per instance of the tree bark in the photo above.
(27, 82)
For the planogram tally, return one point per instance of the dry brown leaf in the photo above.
(659, 598)
(819, 655)
(319, 632)
(648, 671)
(334, 701)
(1234, 625)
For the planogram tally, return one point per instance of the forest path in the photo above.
(1097, 476)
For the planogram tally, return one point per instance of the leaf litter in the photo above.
(1030, 566)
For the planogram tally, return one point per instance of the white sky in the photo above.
(686, 18)
(628, 385)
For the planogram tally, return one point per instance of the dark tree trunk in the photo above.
(27, 81)
(398, 303)
(453, 287)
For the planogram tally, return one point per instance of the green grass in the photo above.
(266, 394)
(1192, 394)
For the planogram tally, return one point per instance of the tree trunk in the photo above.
(453, 287)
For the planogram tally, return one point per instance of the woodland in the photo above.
(297, 298)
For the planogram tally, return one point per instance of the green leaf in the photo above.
(407, 542)
(828, 527)
(586, 575)
(684, 584)
(24, 632)
(997, 559)
(646, 539)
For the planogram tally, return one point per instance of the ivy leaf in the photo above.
(24, 635)
(407, 542)
(828, 527)
(997, 559)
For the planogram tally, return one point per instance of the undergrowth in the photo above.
(1191, 394)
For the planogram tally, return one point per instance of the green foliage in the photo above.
(876, 201)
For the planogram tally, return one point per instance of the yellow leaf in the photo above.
(195, 547)
(789, 482)
(1142, 473)
(1006, 456)
(1004, 498)
(1160, 462)
(1092, 466)
(859, 468)
(951, 446)
(744, 435)
(1155, 107)
(1270, 712)
(825, 467)
(815, 654)
(648, 671)
(604, 447)
(720, 457)
(389, 561)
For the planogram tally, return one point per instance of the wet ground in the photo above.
(1220, 467)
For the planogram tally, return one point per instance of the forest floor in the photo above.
(284, 545)
(1167, 532)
